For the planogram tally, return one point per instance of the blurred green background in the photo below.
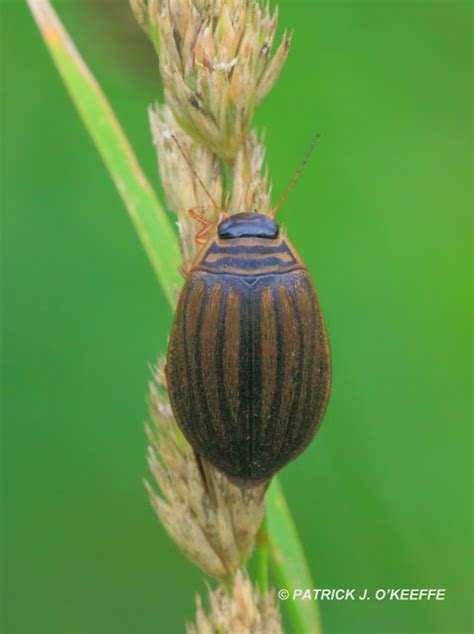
(381, 215)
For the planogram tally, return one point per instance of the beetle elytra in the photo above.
(248, 364)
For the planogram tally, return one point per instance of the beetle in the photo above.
(248, 366)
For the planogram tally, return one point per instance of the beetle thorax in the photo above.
(248, 225)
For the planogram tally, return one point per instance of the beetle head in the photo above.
(248, 225)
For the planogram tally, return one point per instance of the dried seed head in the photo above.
(182, 189)
(216, 64)
(140, 11)
(250, 190)
(243, 611)
(216, 527)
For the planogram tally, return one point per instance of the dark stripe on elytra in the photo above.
(270, 439)
(183, 404)
(246, 410)
(208, 338)
(268, 351)
(319, 341)
(249, 273)
(260, 423)
(195, 401)
(179, 403)
(255, 419)
(302, 360)
(256, 249)
(305, 403)
(212, 417)
(270, 317)
(298, 417)
(323, 366)
(192, 363)
(227, 414)
(249, 426)
(292, 419)
(247, 263)
(203, 418)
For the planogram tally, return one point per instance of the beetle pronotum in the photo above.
(248, 365)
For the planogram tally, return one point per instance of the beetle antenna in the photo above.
(215, 205)
(309, 151)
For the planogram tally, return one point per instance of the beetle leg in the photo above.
(201, 235)
(184, 272)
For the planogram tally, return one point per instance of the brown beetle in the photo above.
(248, 360)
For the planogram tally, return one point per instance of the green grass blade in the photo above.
(262, 555)
(289, 561)
(144, 208)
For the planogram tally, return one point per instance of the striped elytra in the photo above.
(248, 365)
